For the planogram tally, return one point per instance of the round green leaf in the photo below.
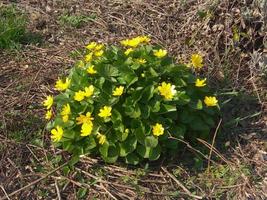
(151, 141)
(154, 153)
(143, 151)
(132, 159)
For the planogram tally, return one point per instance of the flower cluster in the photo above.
(129, 102)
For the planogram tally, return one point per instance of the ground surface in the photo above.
(230, 35)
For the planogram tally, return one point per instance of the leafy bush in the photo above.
(132, 103)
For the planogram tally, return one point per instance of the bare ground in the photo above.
(236, 69)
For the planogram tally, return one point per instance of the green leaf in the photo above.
(99, 82)
(178, 131)
(113, 154)
(66, 170)
(183, 98)
(89, 143)
(185, 116)
(70, 134)
(166, 61)
(127, 146)
(103, 149)
(79, 78)
(151, 141)
(196, 104)
(74, 160)
(107, 70)
(199, 105)
(137, 95)
(121, 135)
(152, 72)
(116, 116)
(137, 112)
(128, 76)
(132, 159)
(62, 98)
(56, 159)
(136, 123)
(154, 153)
(148, 93)
(129, 110)
(198, 125)
(140, 135)
(78, 149)
(81, 193)
(179, 83)
(155, 106)
(67, 145)
(145, 111)
(133, 112)
(165, 108)
(118, 126)
(143, 151)
(135, 66)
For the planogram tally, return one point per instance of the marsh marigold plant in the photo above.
(130, 102)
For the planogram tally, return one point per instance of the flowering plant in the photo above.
(130, 102)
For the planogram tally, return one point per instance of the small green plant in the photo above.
(13, 32)
(12, 26)
(131, 102)
(76, 21)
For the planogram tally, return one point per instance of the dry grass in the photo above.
(236, 68)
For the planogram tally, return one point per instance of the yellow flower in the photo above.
(210, 101)
(57, 134)
(134, 42)
(128, 51)
(91, 45)
(48, 114)
(79, 96)
(89, 91)
(141, 61)
(196, 61)
(160, 53)
(86, 129)
(61, 86)
(48, 102)
(125, 42)
(65, 118)
(84, 118)
(101, 138)
(99, 53)
(118, 91)
(200, 83)
(167, 90)
(105, 112)
(158, 129)
(91, 70)
(99, 47)
(88, 57)
(80, 63)
(144, 39)
(65, 112)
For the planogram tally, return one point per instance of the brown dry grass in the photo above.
(238, 169)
